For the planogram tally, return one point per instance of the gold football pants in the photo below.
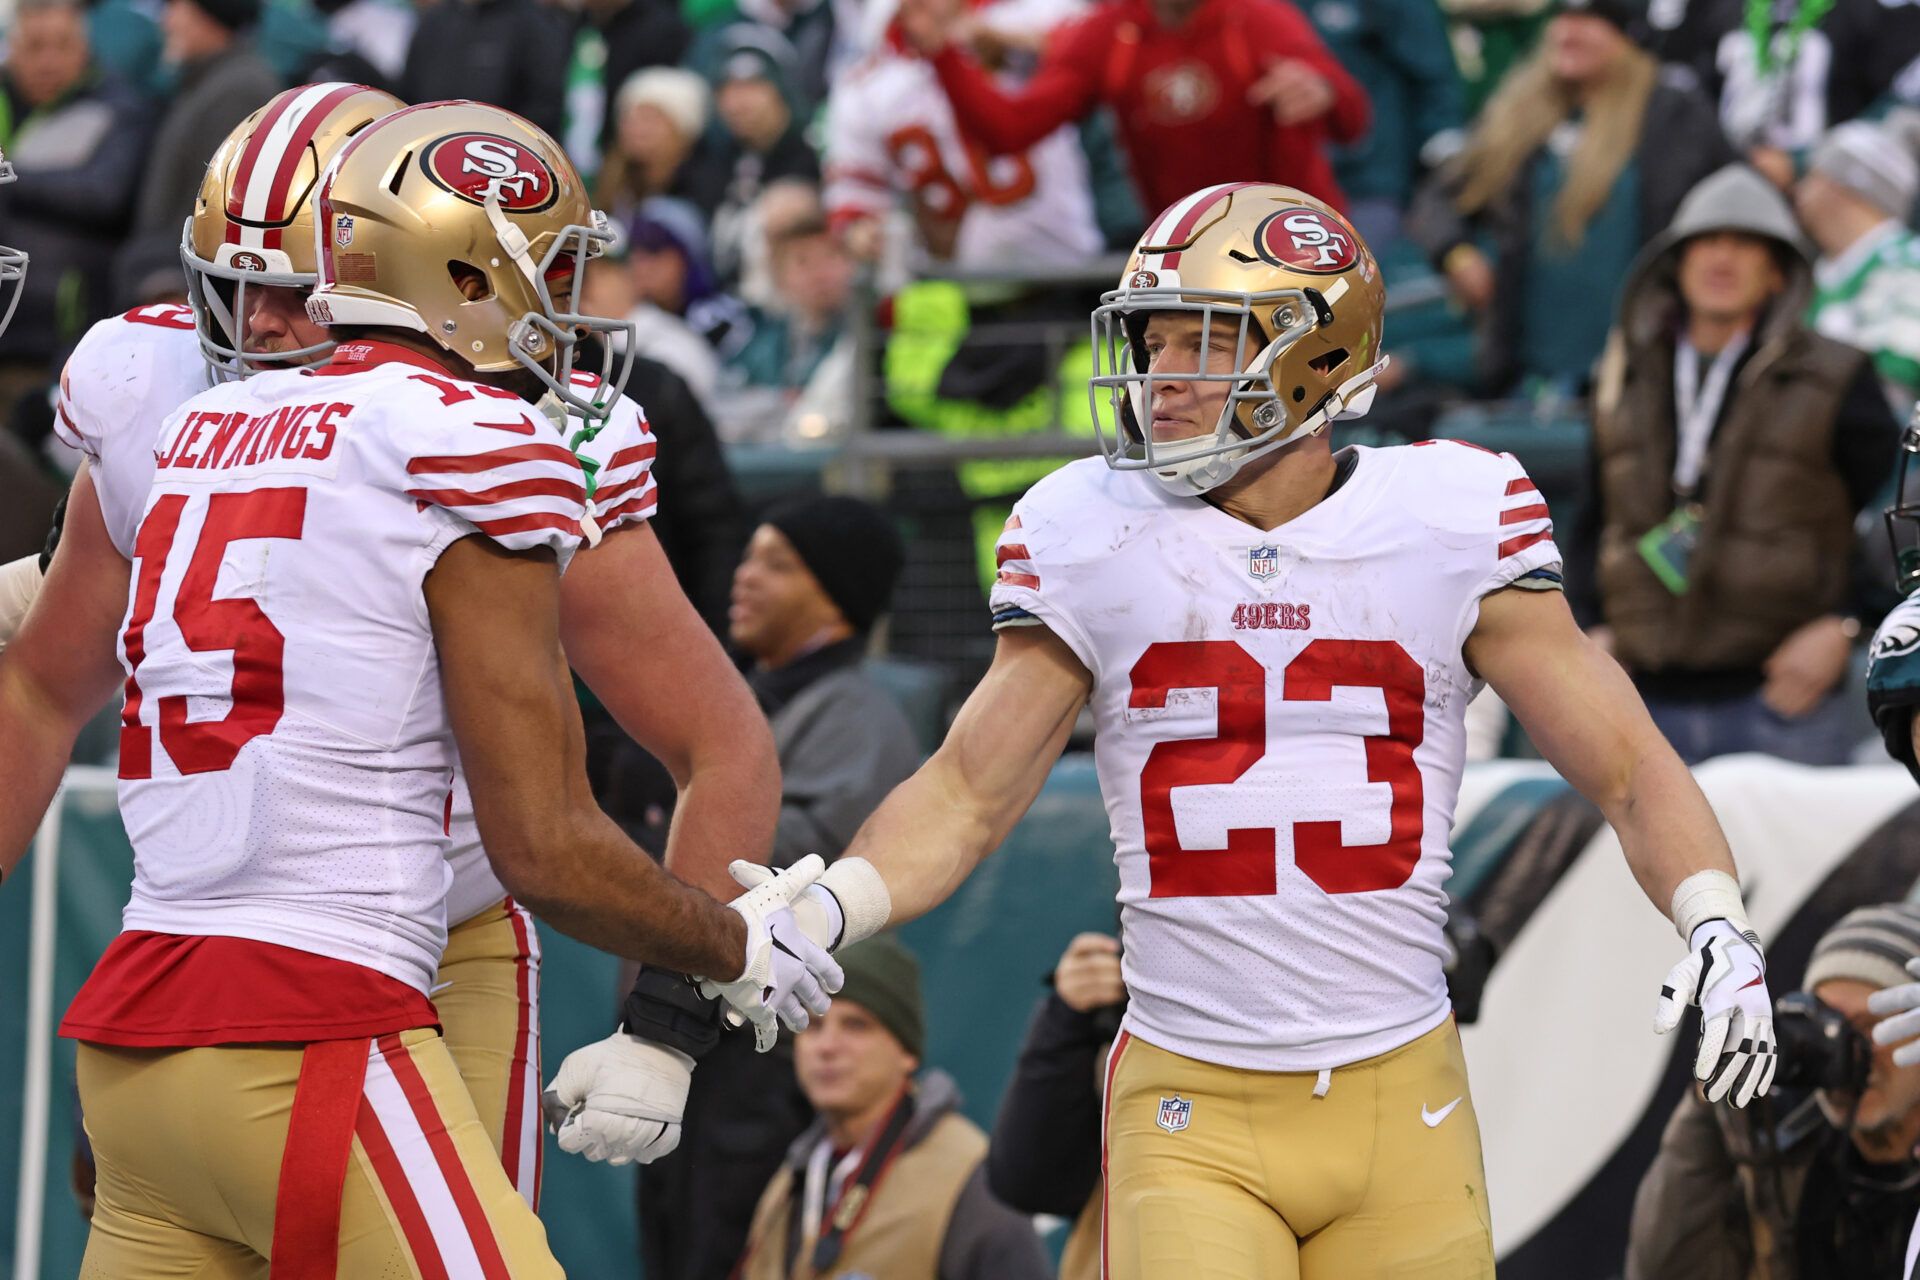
(343, 1158)
(488, 995)
(1217, 1173)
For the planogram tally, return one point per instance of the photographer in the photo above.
(1045, 1151)
(1821, 1180)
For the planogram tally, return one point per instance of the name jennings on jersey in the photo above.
(1281, 733)
(287, 768)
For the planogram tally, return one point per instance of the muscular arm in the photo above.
(937, 825)
(495, 616)
(60, 669)
(1588, 721)
(1062, 89)
(633, 636)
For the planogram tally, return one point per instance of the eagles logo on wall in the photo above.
(468, 163)
(1302, 239)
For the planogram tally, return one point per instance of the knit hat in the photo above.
(664, 223)
(1628, 16)
(1870, 945)
(883, 977)
(849, 547)
(231, 14)
(1869, 160)
(749, 51)
(680, 95)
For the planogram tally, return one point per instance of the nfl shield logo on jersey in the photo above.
(1263, 562)
(1175, 1112)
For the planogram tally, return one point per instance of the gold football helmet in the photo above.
(448, 198)
(253, 221)
(1298, 290)
(13, 263)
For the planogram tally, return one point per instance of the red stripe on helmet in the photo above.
(1171, 262)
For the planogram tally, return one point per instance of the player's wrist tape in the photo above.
(1708, 895)
(666, 1007)
(865, 903)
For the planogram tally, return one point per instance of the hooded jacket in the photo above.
(1776, 509)
(928, 1217)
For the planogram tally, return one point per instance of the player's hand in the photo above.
(816, 910)
(927, 24)
(787, 977)
(1088, 975)
(1725, 974)
(619, 1100)
(1806, 666)
(1470, 276)
(1899, 1011)
(1293, 90)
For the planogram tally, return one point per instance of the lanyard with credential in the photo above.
(1698, 404)
(829, 1230)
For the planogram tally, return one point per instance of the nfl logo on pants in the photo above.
(1175, 1112)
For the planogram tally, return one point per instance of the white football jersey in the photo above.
(123, 380)
(128, 375)
(891, 133)
(1280, 723)
(285, 747)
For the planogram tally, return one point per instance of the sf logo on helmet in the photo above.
(1303, 239)
(469, 164)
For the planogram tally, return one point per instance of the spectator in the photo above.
(76, 138)
(785, 203)
(813, 278)
(891, 134)
(609, 290)
(1044, 1156)
(1819, 1183)
(1398, 49)
(509, 53)
(660, 114)
(223, 80)
(762, 139)
(612, 40)
(892, 1145)
(827, 37)
(1854, 202)
(1204, 91)
(1732, 447)
(816, 577)
(667, 254)
(1785, 72)
(1579, 159)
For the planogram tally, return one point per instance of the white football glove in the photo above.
(788, 977)
(816, 910)
(619, 1100)
(1725, 974)
(1899, 1010)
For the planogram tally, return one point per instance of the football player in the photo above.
(318, 536)
(1279, 641)
(250, 258)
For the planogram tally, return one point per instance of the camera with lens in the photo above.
(1819, 1048)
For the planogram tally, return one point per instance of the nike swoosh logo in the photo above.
(1758, 978)
(1432, 1119)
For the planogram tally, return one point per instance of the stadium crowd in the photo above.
(1663, 253)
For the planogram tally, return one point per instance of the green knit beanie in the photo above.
(883, 977)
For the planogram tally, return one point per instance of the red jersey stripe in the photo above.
(617, 492)
(1011, 551)
(1520, 515)
(1523, 541)
(465, 464)
(1028, 580)
(1106, 1117)
(1520, 486)
(631, 507)
(420, 1098)
(538, 487)
(406, 1206)
(643, 452)
(532, 520)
